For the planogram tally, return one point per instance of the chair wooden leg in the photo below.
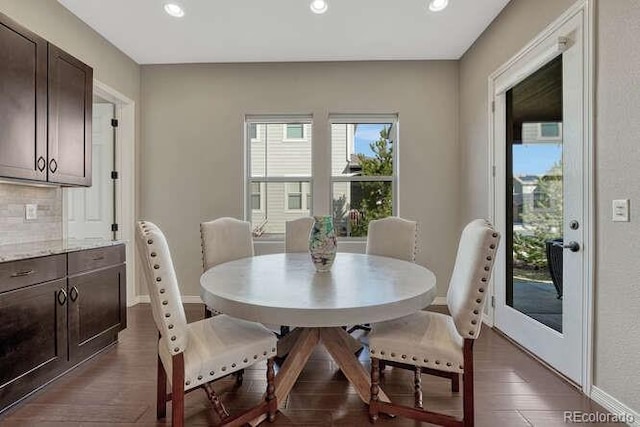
(216, 402)
(272, 402)
(239, 377)
(455, 384)
(417, 387)
(177, 390)
(467, 380)
(161, 403)
(207, 312)
(375, 377)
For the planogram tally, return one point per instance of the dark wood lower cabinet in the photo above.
(97, 310)
(48, 328)
(33, 338)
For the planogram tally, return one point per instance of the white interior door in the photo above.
(539, 190)
(90, 210)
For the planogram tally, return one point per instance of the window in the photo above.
(363, 186)
(298, 196)
(294, 132)
(362, 168)
(549, 131)
(256, 196)
(278, 173)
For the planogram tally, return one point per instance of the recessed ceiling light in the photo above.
(174, 9)
(319, 6)
(438, 5)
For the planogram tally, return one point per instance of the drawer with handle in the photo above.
(93, 259)
(26, 272)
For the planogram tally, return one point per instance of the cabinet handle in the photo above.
(98, 258)
(53, 165)
(42, 164)
(74, 294)
(62, 296)
(22, 273)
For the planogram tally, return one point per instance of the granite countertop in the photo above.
(20, 251)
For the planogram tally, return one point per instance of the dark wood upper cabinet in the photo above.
(46, 100)
(70, 110)
(23, 103)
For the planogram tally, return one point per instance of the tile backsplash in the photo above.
(14, 228)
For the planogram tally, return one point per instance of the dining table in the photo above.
(286, 289)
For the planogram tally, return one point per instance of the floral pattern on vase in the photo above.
(323, 243)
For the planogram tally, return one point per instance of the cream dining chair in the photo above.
(429, 341)
(296, 236)
(391, 237)
(193, 355)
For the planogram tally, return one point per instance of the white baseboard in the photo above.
(613, 405)
(186, 299)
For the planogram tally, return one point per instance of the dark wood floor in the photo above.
(118, 387)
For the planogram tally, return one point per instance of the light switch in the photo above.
(620, 210)
(31, 211)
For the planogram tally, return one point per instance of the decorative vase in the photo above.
(323, 243)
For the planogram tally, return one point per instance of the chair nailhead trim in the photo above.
(414, 358)
(473, 322)
(437, 362)
(382, 353)
(224, 368)
(153, 254)
(165, 302)
(475, 311)
(173, 338)
(233, 365)
(245, 360)
(484, 279)
(393, 355)
(481, 290)
(426, 360)
(373, 351)
(495, 235)
(170, 326)
(492, 246)
(264, 353)
(273, 349)
(471, 332)
(487, 268)
(478, 300)
(199, 377)
(448, 363)
(188, 382)
(167, 315)
(489, 258)
(156, 266)
(211, 373)
(150, 241)
(158, 279)
(404, 356)
(255, 356)
(176, 349)
(162, 291)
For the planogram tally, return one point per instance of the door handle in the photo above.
(74, 294)
(42, 164)
(572, 246)
(62, 296)
(53, 165)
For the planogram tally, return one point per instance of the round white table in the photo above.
(285, 289)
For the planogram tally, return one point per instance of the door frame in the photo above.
(125, 109)
(496, 181)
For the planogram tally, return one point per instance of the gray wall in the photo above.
(618, 177)
(617, 298)
(193, 146)
(52, 21)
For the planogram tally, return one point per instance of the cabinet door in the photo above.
(70, 106)
(33, 338)
(23, 103)
(97, 310)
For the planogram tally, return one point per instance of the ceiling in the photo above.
(287, 30)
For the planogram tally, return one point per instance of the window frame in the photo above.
(304, 197)
(304, 119)
(258, 137)
(394, 120)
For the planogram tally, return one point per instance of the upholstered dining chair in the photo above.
(391, 237)
(222, 240)
(192, 356)
(296, 237)
(434, 341)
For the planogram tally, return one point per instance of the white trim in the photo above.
(125, 110)
(587, 7)
(613, 405)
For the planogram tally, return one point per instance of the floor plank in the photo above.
(118, 388)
